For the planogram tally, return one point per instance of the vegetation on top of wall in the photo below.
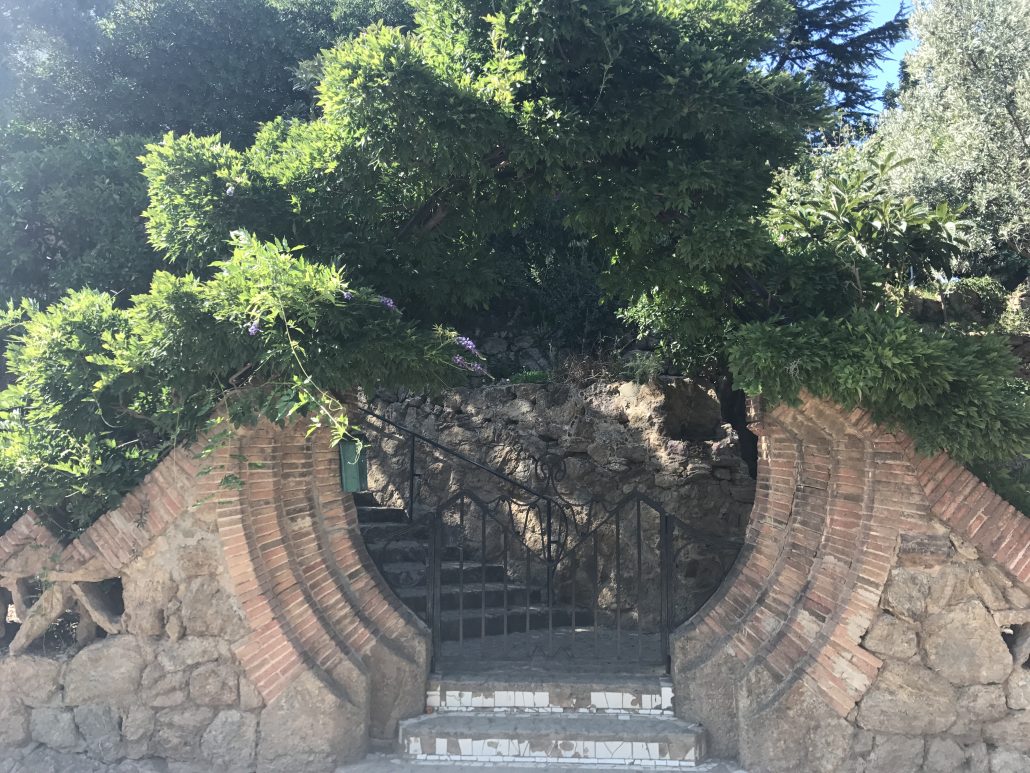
(101, 392)
(948, 389)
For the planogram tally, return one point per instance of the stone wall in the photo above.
(228, 617)
(601, 440)
(248, 634)
(878, 619)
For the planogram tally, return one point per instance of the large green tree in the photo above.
(651, 131)
(836, 43)
(120, 66)
(83, 82)
(963, 120)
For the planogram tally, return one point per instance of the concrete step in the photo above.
(406, 574)
(379, 532)
(511, 691)
(595, 739)
(392, 763)
(471, 596)
(471, 623)
(378, 514)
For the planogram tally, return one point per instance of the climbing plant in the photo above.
(101, 392)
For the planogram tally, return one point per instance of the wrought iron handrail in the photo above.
(415, 434)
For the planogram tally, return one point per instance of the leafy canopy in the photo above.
(648, 129)
(69, 218)
(121, 66)
(963, 118)
(84, 85)
(101, 392)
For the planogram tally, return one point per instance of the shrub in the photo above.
(950, 390)
(101, 392)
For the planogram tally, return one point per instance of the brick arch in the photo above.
(296, 563)
(310, 591)
(836, 495)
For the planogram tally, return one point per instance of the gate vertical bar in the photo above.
(548, 552)
(640, 587)
(433, 572)
(461, 577)
(665, 552)
(411, 477)
(482, 583)
(618, 584)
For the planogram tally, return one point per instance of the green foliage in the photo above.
(834, 239)
(963, 117)
(530, 377)
(81, 85)
(834, 42)
(117, 66)
(846, 241)
(642, 128)
(981, 299)
(69, 218)
(101, 392)
(950, 390)
(1016, 317)
(644, 367)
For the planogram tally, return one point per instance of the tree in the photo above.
(650, 131)
(85, 81)
(833, 42)
(848, 255)
(70, 218)
(117, 66)
(964, 121)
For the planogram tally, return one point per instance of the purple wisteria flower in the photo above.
(466, 343)
(389, 303)
(254, 328)
(464, 364)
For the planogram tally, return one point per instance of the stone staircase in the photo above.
(476, 599)
(565, 719)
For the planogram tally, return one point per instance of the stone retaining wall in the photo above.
(878, 619)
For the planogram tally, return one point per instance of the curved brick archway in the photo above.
(840, 503)
(317, 623)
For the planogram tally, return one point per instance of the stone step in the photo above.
(368, 514)
(507, 691)
(471, 623)
(406, 574)
(471, 596)
(594, 739)
(379, 532)
(405, 550)
(365, 499)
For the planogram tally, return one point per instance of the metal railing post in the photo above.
(411, 477)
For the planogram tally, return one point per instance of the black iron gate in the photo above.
(519, 572)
